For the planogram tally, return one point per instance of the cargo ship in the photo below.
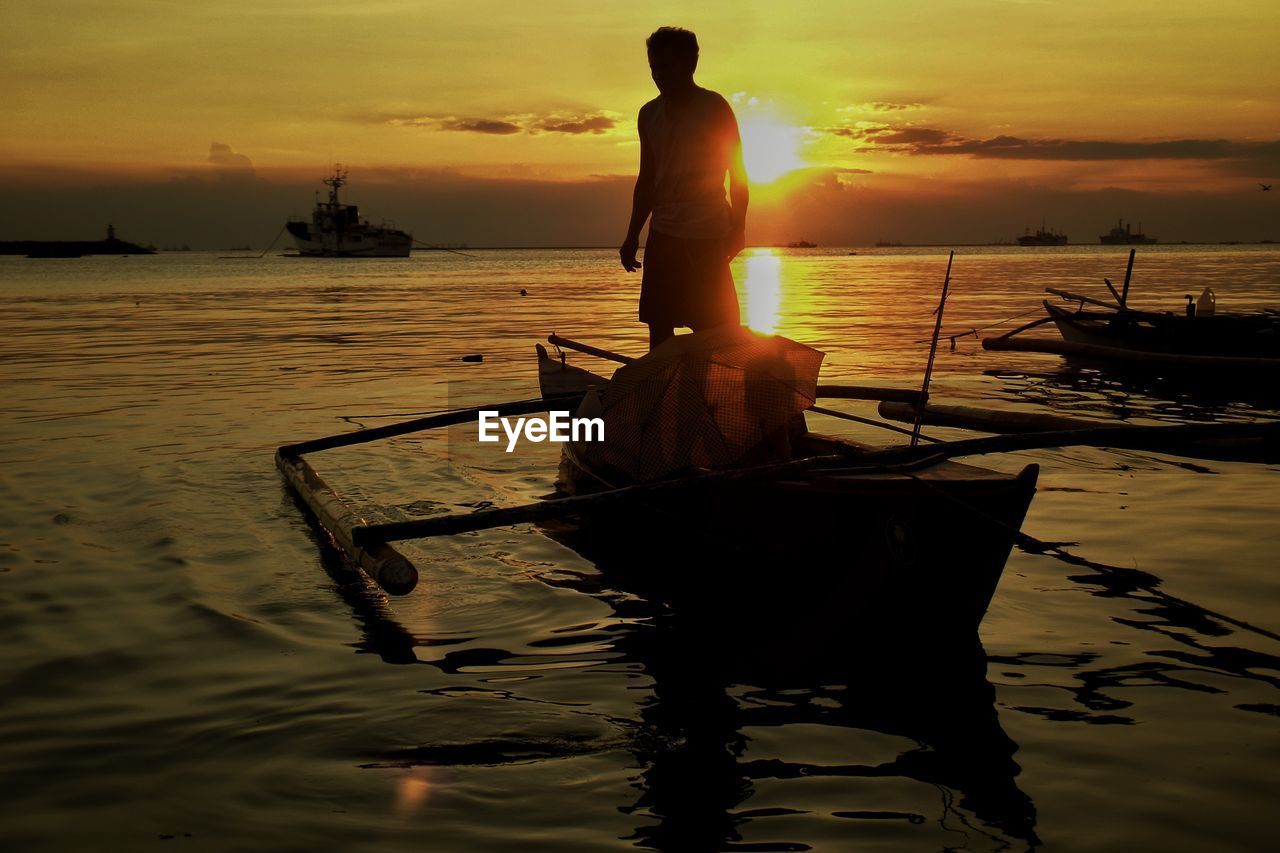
(1043, 237)
(1122, 235)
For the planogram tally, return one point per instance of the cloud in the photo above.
(587, 124)
(496, 127)
(911, 137)
(593, 123)
(928, 141)
(228, 161)
(881, 107)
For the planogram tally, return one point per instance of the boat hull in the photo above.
(923, 547)
(926, 548)
(371, 242)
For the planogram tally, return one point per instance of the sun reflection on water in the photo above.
(412, 790)
(762, 290)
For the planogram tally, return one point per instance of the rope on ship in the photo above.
(270, 246)
(422, 245)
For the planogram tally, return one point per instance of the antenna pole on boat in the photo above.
(1124, 292)
(933, 350)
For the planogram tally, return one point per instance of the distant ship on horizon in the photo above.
(336, 230)
(1121, 235)
(1043, 237)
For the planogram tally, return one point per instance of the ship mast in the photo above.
(339, 178)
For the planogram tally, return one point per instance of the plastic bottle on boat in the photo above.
(1207, 302)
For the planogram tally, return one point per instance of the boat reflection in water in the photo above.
(732, 667)
(723, 696)
(750, 703)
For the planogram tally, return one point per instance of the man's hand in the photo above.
(628, 254)
(737, 242)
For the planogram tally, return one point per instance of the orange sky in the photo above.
(939, 100)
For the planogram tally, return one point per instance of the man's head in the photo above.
(673, 56)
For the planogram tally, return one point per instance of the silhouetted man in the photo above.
(688, 142)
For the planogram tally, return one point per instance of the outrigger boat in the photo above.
(1192, 342)
(921, 543)
(917, 538)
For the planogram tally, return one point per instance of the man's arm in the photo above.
(641, 204)
(739, 195)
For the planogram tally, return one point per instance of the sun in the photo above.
(770, 149)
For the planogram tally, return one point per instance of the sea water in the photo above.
(184, 659)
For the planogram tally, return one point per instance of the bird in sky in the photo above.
(1266, 188)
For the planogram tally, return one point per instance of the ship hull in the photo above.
(357, 243)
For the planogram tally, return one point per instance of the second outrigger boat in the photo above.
(1197, 341)
(337, 230)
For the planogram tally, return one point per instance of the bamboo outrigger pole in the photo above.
(444, 419)
(388, 568)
